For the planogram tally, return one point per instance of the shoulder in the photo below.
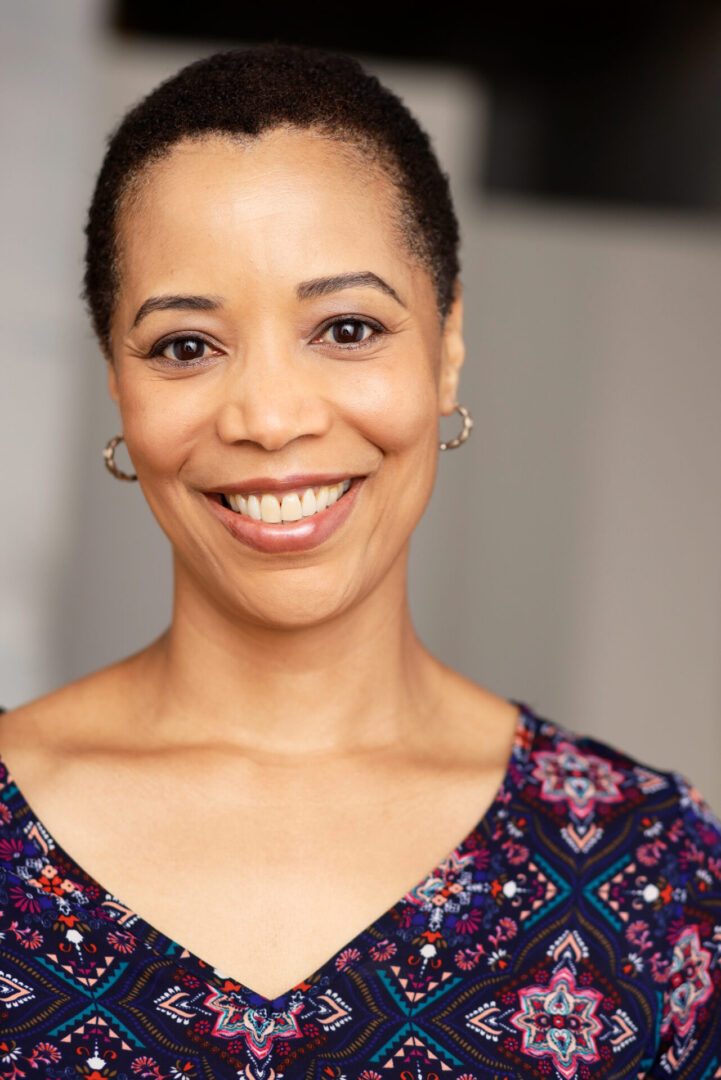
(38, 736)
(636, 852)
(604, 803)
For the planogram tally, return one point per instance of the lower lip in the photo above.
(285, 536)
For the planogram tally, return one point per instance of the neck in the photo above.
(359, 681)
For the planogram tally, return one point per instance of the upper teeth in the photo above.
(292, 506)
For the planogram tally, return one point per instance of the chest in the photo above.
(268, 892)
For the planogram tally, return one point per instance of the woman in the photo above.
(216, 853)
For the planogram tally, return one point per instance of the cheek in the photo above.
(399, 415)
(391, 404)
(396, 407)
(161, 423)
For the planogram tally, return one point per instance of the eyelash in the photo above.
(156, 352)
(339, 320)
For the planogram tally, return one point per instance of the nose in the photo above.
(271, 398)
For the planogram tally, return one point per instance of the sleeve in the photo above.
(690, 1027)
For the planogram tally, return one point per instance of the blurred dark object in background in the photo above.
(609, 102)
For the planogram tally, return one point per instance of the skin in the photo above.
(301, 757)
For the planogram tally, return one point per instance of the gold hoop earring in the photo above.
(465, 430)
(109, 457)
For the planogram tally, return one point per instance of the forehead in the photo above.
(287, 205)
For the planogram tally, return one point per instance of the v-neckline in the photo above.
(166, 947)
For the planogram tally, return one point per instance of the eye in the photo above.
(348, 331)
(184, 351)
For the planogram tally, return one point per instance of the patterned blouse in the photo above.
(574, 934)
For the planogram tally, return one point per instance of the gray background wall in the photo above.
(571, 554)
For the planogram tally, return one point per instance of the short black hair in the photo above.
(244, 92)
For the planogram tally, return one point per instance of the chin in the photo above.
(291, 599)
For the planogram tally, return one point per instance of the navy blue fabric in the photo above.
(575, 932)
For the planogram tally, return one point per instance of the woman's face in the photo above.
(274, 335)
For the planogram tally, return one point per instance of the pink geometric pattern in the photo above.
(559, 1021)
(689, 984)
(580, 780)
(258, 1027)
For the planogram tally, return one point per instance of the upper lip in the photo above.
(286, 483)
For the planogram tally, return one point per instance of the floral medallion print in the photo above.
(573, 934)
(559, 1021)
(689, 984)
(581, 780)
(259, 1027)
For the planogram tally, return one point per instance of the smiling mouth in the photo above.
(291, 506)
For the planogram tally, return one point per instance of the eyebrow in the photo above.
(177, 303)
(359, 279)
(305, 291)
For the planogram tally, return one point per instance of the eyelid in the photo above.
(377, 327)
(155, 352)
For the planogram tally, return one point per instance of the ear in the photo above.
(453, 353)
(113, 389)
